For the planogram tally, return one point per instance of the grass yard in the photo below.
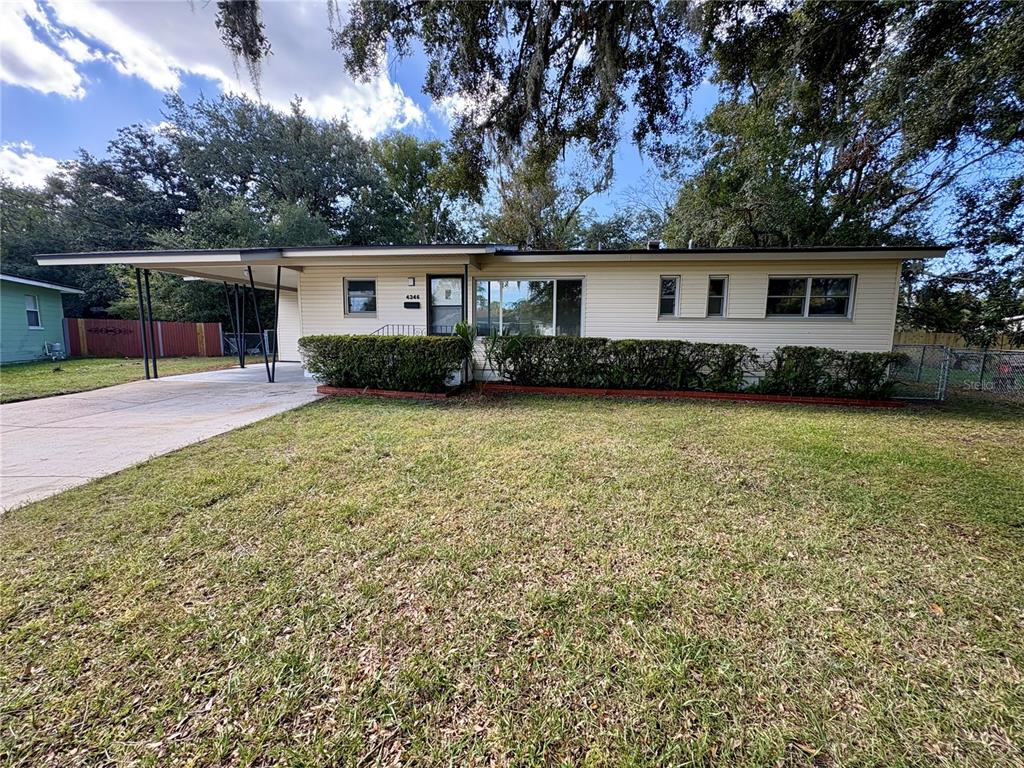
(27, 381)
(531, 581)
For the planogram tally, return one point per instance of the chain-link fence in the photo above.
(922, 375)
(936, 372)
(986, 374)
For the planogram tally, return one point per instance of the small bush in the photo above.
(823, 372)
(565, 361)
(407, 363)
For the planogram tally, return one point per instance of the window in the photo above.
(668, 297)
(360, 297)
(32, 311)
(717, 287)
(809, 296)
(529, 307)
(830, 296)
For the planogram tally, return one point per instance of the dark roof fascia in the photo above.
(794, 250)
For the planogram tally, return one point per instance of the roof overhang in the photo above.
(40, 284)
(291, 257)
(232, 265)
(716, 254)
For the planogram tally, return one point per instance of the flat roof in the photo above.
(292, 255)
(39, 283)
(746, 250)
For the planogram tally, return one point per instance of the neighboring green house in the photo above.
(31, 319)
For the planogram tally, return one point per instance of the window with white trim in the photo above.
(824, 296)
(360, 297)
(668, 296)
(32, 311)
(546, 307)
(718, 287)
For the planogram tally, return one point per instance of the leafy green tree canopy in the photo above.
(541, 70)
(227, 172)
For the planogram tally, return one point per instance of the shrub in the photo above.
(408, 363)
(565, 361)
(829, 373)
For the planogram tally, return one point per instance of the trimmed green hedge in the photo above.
(565, 361)
(425, 363)
(406, 363)
(829, 372)
(562, 361)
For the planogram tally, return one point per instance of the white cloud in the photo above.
(160, 42)
(20, 164)
(27, 60)
(476, 107)
(78, 51)
(131, 53)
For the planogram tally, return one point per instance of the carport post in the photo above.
(142, 320)
(277, 314)
(239, 330)
(467, 364)
(241, 322)
(259, 326)
(231, 317)
(152, 333)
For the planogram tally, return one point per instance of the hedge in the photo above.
(562, 361)
(406, 363)
(829, 372)
(565, 361)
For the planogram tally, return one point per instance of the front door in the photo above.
(444, 311)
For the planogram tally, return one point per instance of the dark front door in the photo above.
(445, 309)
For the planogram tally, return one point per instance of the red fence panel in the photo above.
(177, 339)
(214, 342)
(94, 337)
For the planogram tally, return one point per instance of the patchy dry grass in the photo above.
(531, 581)
(28, 381)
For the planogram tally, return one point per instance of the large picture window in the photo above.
(809, 297)
(529, 307)
(360, 297)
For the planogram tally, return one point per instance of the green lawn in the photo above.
(531, 581)
(26, 381)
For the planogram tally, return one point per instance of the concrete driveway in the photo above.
(55, 443)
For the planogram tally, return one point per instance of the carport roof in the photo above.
(256, 255)
(232, 264)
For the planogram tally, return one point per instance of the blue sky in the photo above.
(73, 71)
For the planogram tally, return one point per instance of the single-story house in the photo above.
(31, 319)
(843, 298)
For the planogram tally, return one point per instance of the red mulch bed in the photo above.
(499, 388)
(324, 389)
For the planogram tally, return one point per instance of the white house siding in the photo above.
(322, 297)
(621, 300)
(288, 326)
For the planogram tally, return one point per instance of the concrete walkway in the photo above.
(55, 443)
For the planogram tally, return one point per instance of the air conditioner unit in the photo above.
(54, 350)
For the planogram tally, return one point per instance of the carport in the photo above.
(240, 270)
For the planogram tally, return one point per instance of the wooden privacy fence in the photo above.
(90, 337)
